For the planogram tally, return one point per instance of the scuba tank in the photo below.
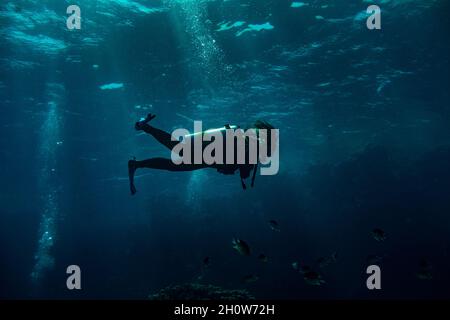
(225, 127)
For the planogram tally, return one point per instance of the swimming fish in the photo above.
(378, 234)
(424, 275)
(241, 246)
(374, 259)
(274, 225)
(263, 258)
(250, 278)
(325, 261)
(424, 272)
(206, 262)
(313, 278)
(300, 267)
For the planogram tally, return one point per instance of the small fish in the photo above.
(313, 278)
(326, 261)
(322, 262)
(424, 275)
(250, 278)
(425, 269)
(424, 264)
(263, 258)
(304, 269)
(274, 225)
(374, 259)
(334, 256)
(300, 267)
(206, 262)
(378, 234)
(241, 246)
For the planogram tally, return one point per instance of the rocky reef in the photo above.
(196, 291)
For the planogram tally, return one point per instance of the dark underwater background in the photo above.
(364, 121)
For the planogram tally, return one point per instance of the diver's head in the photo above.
(262, 124)
(270, 135)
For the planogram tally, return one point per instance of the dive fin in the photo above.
(131, 171)
(254, 174)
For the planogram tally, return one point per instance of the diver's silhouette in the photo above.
(167, 164)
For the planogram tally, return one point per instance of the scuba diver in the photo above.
(167, 164)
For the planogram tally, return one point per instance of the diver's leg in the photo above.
(167, 164)
(146, 120)
(161, 164)
(163, 137)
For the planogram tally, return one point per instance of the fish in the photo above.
(424, 275)
(424, 264)
(205, 265)
(313, 278)
(334, 256)
(300, 267)
(206, 262)
(274, 225)
(241, 247)
(263, 258)
(250, 278)
(374, 259)
(304, 269)
(425, 269)
(378, 234)
(323, 262)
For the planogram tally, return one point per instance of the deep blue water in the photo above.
(364, 119)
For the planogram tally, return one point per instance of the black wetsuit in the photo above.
(167, 164)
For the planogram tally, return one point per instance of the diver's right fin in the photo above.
(131, 171)
(140, 124)
(243, 184)
(149, 118)
(255, 168)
